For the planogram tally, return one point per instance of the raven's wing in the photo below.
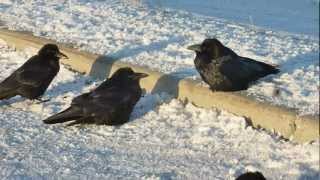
(109, 100)
(23, 75)
(112, 106)
(34, 72)
(103, 87)
(89, 96)
(245, 70)
(33, 76)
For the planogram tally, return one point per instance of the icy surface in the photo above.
(157, 38)
(165, 139)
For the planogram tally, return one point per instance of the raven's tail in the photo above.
(261, 68)
(69, 114)
(271, 68)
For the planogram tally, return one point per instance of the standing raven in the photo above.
(109, 104)
(224, 70)
(251, 176)
(32, 79)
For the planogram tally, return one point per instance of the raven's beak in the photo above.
(62, 56)
(140, 75)
(195, 47)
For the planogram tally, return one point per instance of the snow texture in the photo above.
(165, 139)
(157, 38)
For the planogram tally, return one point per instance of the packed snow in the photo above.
(134, 32)
(165, 139)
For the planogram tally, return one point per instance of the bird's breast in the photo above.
(54, 63)
(210, 72)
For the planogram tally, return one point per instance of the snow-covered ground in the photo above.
(295, 16)
(133, 32)
(165, 139)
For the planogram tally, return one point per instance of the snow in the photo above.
(157, 38)
(294, 16)
(165, 139)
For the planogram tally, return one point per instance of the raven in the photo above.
(223, 70)
(32, 79)
(251, 176)
(109, 104)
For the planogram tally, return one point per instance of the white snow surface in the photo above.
(131, 31)
(295, 16)
(165, 139)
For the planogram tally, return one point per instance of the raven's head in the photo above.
(127, 75)
(51, 50)
(211, 48)
(251, 176)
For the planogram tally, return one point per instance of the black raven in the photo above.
(109, 104)
(32, 79)
(224, 70)
(251, 176)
